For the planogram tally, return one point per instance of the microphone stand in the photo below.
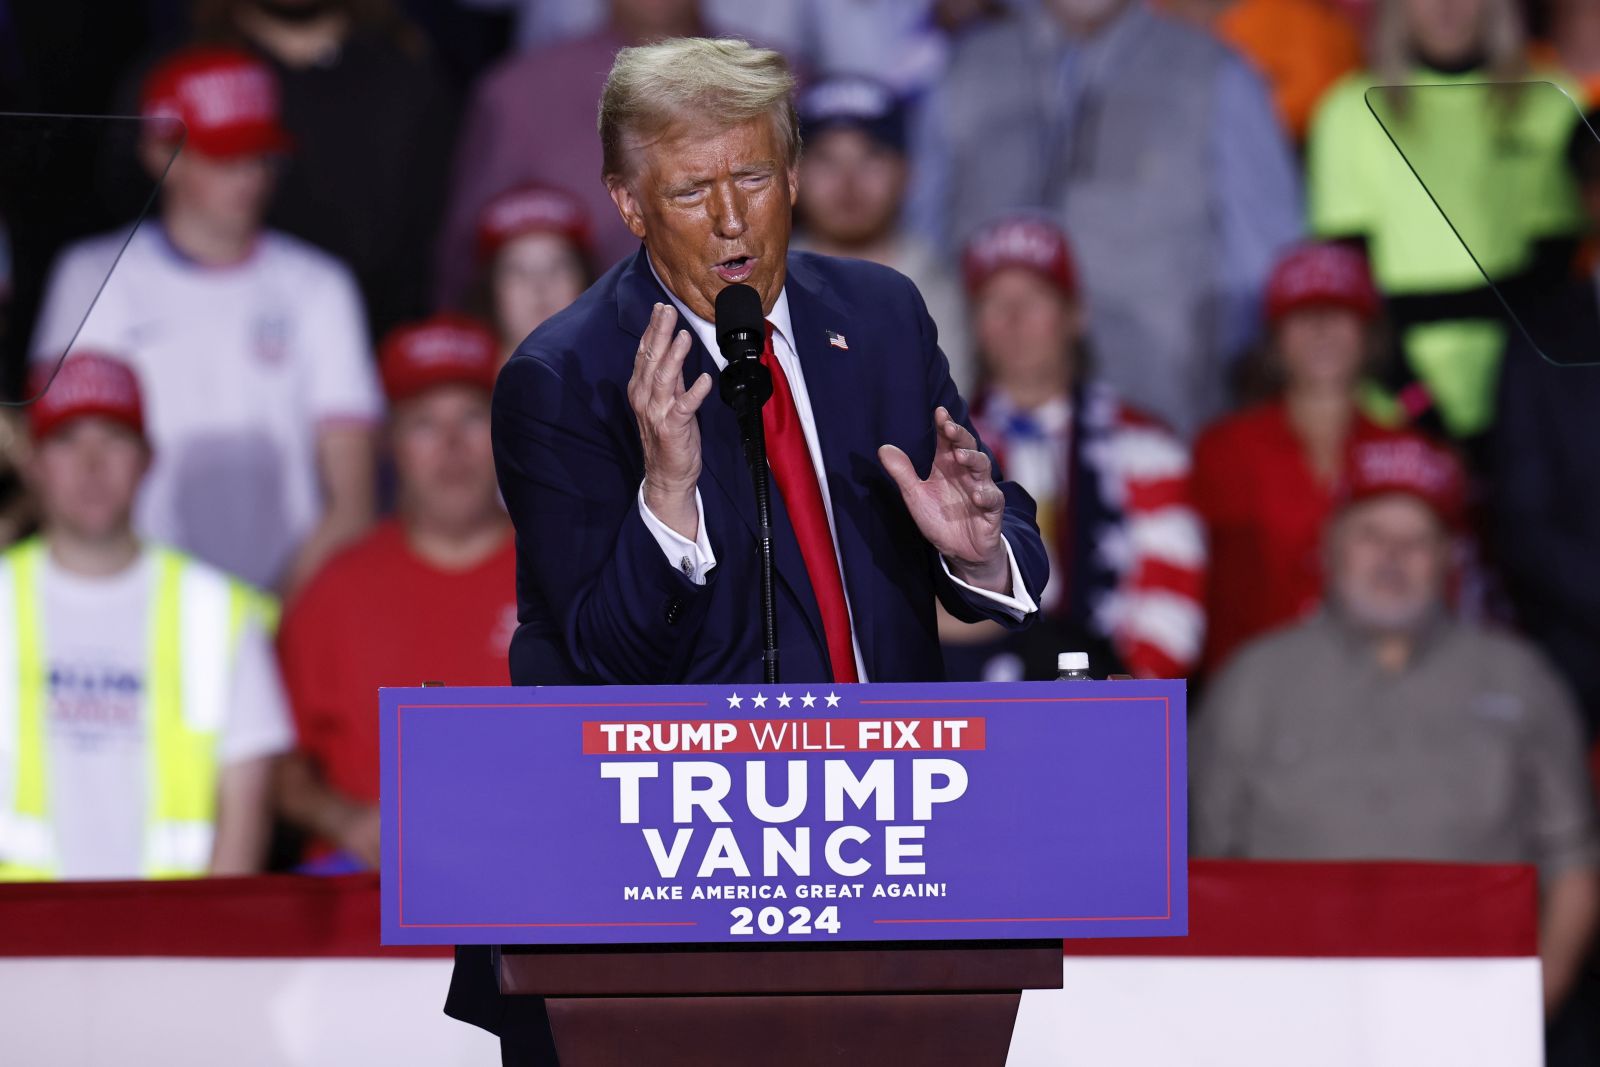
(745, 386)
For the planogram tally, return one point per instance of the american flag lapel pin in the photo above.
(837, 340)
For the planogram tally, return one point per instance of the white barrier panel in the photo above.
(1142, 1012)
(242, 1013)
(1208, 1012)
(1309, 965)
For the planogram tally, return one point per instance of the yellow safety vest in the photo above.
(196, 616)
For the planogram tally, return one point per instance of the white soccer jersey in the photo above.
(240, 366)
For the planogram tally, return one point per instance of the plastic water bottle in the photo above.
(1073, 667)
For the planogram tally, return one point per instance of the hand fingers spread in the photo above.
(973, 460)
(898, 464)
(694, 396)
(666, 378)
(658, 334)
(989, 498)
(651, 348)
(951, 432)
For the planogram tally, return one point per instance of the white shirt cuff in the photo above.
(693, 559)
(1019, 605)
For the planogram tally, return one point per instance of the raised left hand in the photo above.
(958, 508)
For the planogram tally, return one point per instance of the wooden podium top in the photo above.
(924, 967)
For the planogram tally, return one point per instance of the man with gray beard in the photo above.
(1384, 729)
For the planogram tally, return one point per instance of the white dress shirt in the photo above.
(695, 558)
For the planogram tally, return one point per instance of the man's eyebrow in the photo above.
(760, 166)
(687, 185)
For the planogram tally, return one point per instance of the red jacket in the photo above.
(1264, 510)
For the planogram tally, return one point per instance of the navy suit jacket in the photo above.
(599, 602)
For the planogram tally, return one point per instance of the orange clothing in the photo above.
(1300, 46)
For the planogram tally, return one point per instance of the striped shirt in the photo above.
(1127, 554)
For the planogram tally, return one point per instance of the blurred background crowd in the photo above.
(1284, 437)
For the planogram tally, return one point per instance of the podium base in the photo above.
(905, 1029)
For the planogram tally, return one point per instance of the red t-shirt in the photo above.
(378, 614)
(1264, 509)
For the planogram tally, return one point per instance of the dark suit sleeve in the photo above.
(587, 565)
(1020, 526)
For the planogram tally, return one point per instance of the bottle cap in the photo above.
(1072, 661)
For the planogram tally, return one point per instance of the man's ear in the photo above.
(794, 184)
(627, 204)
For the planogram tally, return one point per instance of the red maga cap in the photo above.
(1029, 241)
(88, 384)
(1321, 274)
(226, 97)
(1410, 464)
(531, 209)
(447, 349)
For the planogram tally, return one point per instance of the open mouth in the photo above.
(737, 269)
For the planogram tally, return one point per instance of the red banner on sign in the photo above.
(681, 737)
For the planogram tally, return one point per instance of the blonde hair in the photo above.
(1501, 38)
(652, 86)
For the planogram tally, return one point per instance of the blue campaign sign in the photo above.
(744, 813)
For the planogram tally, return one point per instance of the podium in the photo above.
(919, 1003)
(716, 875)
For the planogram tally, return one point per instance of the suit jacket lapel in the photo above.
(721, 450)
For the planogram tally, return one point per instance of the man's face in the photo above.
(1387, 562)
(851, 187)
(1025, 327)
(713, 207)
(86, 476)
(229, 194)
(443, 457)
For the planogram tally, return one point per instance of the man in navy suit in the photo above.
(634, 509)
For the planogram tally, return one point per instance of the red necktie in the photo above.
(802, 496)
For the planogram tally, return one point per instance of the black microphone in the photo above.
(746, 384)
(742, 335)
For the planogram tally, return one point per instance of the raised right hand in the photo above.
(668, 429)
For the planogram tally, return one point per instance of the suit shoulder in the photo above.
(842, 268)
(857, 281)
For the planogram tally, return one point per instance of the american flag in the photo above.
(837, 340)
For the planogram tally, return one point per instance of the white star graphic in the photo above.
(758, 701)
(734, 700)
(833, 700)
(808, 700)
(783, 700)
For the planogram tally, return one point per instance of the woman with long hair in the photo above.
(1266, 478)
(534, 252)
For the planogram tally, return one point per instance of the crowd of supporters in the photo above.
(1285, 439)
